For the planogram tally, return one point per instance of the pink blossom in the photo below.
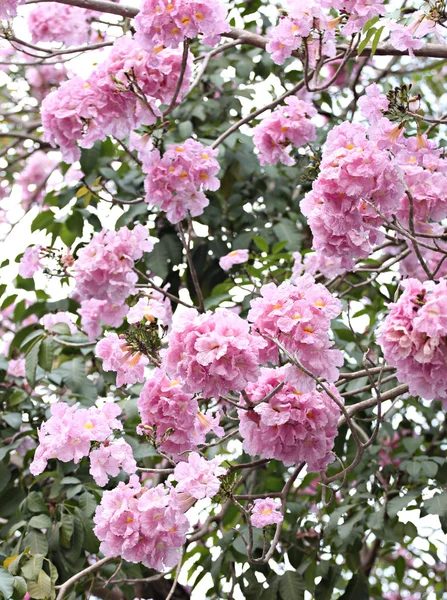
(118, 355)
(168, 413)
(204, 424)
(286, 127)
(373, 103)
(55, 22)
(16, 367)
(109, 459)
(141, 525)
(68, 433)
(299, 317)
(212, 353)
(33, 177)
(266, 512)
(43, 78)
(8, 8)
(199, 477)
(293, 426)
(176, 182)
(155, 306)
(402, 38)
(30, 262)
(412, 338)
(50, 320)
(361, 11)
(164, 23)
(94, 313)
(235, 257)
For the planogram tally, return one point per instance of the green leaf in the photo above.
(366, 39)
(291, 586)
(73, 375)
(437, 505)
(31, 360)
(287, 231)
(46, 353)
(32, 566)
(42, 589)
(6, 583)
(67, 526)
(370, 23)
(376, 40)
(37, 542)
(36, 503)
(43, 220)
(20, 586)
(261, 243)
(357, 589)
(89, 158)
(400, 502)
(324, 589)
(40, 522)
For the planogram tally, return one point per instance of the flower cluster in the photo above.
(299, 317)
(30, 262)
(292, 426)
(141, 525)
(168, 413)
(43, 78)
(413, 338)
(266, 512)
(119, 356)
(34, 177)
(199, 478)
(212, 353)
(109, 459)
(286, 127)
(165, 23)
(355, 177)
(8, 8)
(311, 22)
(69, 432)
(104, 275)
(122, 93)
(153, 306)
(54, 22)
(175, 182)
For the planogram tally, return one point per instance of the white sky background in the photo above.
(21, 237)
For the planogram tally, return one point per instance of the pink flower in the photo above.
(373, 103)
(34, 176)
(109, 459)
(118, 355)
(165, 23)
(199, 477)
(30, 262)
(266, 512)
(287, 127)
(59, 23)
(235, 257)
(16, 367)
(96, 312)
(50, 320)
(156, 306)
(68, 433)
(141, 525)
(8, 8)
(212, 353)
(402, 38)
(176, 182)
(299, 317)
(413, 339)
(168, 414)
(43, 78)
(294, 425)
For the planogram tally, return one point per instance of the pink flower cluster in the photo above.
(293, 426)
(30, 262)
(266, 512)
(120, 95)
(165, 23)
(119, 356)
(408, 37)
(172, 417)
(286, 127)
(34, 177)
(43, 78)
(154, 306)
(175, 182)
(68, 435)
(54, 22)
(313, 263)
(235, 257)
(414, 338)
(50, 320)
(354, 173)
(312, 22)
(141, 525)
(199, 477)
(299, 317)
(212, 353)
(8, 8)
(104, 275)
